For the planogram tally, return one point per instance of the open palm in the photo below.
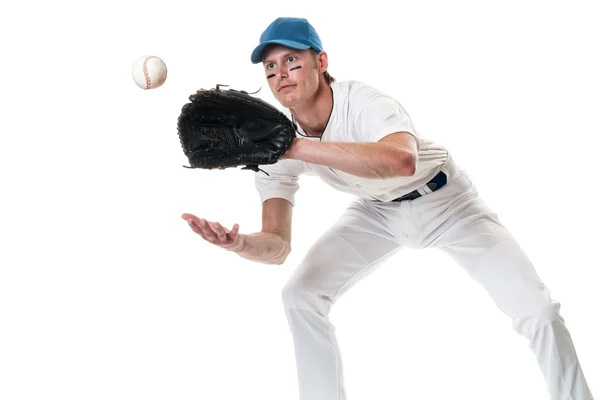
(215, 233)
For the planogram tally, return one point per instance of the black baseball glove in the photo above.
(230, 128)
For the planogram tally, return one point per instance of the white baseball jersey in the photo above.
(360, 114)
(453, 219)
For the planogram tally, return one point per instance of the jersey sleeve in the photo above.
(281, 181)
(377, 115)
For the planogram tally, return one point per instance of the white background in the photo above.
(105, 292)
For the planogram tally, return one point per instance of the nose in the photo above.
(282, 73)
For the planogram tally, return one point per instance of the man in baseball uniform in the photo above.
(409, 193)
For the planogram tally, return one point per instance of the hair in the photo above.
(328, 78)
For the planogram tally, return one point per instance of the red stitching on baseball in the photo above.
(146, 75)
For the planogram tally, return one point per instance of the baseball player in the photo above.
(409, 191)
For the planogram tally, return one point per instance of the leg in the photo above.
(346, 253)
(491, 256)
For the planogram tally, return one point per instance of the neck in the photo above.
(313, 114)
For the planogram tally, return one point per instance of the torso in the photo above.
(347, 124)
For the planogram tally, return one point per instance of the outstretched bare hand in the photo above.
(215, 233)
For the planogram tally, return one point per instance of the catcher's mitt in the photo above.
(230, 128)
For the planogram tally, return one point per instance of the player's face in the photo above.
(292, 74)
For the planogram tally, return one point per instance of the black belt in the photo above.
(437, 182)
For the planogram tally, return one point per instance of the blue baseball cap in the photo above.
(296, 33)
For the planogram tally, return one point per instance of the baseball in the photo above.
(149, 72)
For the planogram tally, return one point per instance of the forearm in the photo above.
(264, 247)
(367, 160)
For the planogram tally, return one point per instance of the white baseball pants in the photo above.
(455, 220)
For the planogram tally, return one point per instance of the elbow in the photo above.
(282, 256)
(409, 166)
(404, 165)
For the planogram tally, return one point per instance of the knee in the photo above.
(302, 295)
(530, 324)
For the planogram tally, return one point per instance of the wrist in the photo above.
(298, 148)
(239, 246)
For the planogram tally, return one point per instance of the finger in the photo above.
(195, 227)
(219, 231)
(216, 230)
(200, 232)
(234, 231)
(193, 222)
(190, 217)
(208, 231)
(205, 230)
(204, 224)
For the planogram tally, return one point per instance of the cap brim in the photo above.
(256, 56)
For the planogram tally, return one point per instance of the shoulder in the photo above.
(357, 90)
(356, 97)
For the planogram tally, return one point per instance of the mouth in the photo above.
(284, 87)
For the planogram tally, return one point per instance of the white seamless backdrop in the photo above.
(105, 292)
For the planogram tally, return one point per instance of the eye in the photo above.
(291, 59)
(270, 66)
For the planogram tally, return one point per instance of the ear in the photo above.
(323, 61)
